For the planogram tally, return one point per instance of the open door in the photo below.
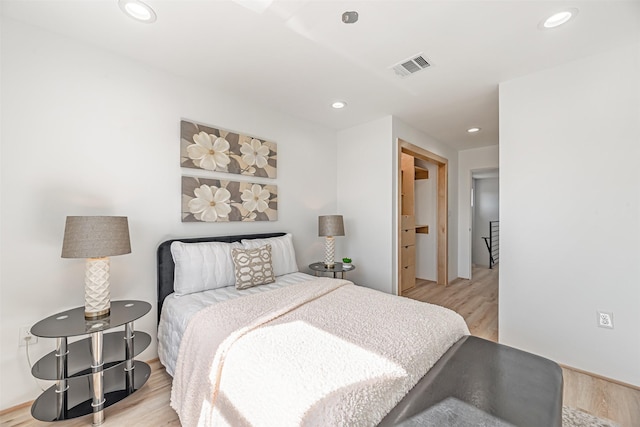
(407, 173)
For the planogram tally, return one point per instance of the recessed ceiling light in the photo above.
(473, 130)
(558, 18)
(138, 10)
(339, 104)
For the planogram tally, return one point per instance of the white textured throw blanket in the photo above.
(320, 353)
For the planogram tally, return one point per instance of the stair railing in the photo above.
(493, 243)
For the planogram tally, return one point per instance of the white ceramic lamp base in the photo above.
(329, 251)
(97, 300)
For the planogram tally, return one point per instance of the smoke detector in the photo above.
(350, 17)
(411, 66)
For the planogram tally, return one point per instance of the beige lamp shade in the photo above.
(96, 238)
(330, 225)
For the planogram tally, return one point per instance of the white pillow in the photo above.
(202, 266)
(283, 255)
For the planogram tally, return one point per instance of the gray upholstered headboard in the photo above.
(166, 264)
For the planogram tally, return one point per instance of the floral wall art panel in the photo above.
(215, 149)
(218, 200)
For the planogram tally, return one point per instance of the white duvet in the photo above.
(320, 353)
(177, 311)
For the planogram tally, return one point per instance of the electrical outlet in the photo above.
(25, 335)
(605, 319)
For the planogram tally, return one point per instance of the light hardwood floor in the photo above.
(149, 406)
(475, 300)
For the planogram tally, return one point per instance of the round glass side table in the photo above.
(338, 267)
(93, 373)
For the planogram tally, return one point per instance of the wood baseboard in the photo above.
(600, 377)
(16, 407)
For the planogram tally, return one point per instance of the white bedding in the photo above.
(321, 353)
(178, 310)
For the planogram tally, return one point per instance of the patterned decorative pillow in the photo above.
(253, 266)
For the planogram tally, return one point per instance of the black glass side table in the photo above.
(338, 267)
(95, 372)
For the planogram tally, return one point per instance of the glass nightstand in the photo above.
(338, 267)
(95, 372)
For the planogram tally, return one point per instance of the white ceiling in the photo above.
(298, 56)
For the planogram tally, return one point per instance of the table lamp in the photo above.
(96, 238)
(330, 226)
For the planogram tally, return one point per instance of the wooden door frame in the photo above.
(442, 209)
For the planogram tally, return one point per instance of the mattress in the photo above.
(178, 310)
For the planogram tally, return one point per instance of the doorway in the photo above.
(407, 226)
(485, 219)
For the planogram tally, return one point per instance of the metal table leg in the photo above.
(62, 398)
(97, 389)
(128, 354)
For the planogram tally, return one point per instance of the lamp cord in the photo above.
(26, 340)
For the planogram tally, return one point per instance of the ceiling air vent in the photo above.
(411, 66)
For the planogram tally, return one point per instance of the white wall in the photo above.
(485, 209)
(365, 192)
(468, 161)
(407, 133)
(570, 212)
(426, 212)
(86, 132)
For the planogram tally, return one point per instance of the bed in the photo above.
(303, 350)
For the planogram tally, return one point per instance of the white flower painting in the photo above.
(255, 153)
(215, 200)
(219, 150)
(209, 151)
(210, 203)
(256, 198)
